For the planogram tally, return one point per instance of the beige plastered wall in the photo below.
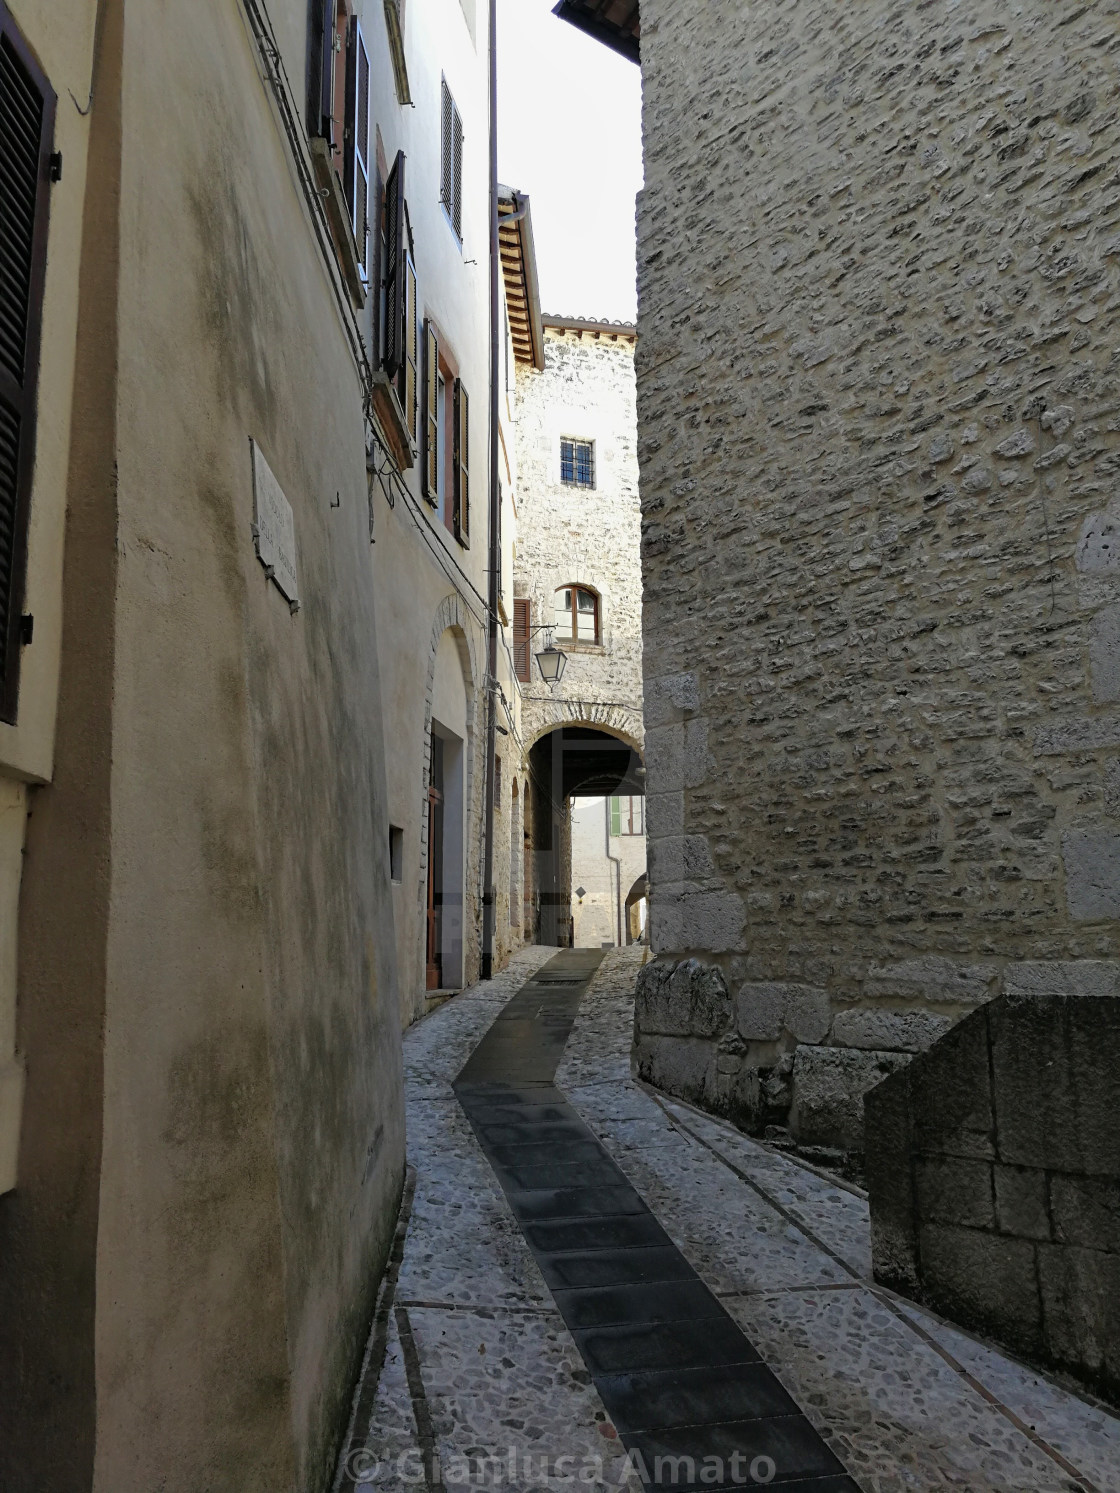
(212, 1146)
(61, 37)
(431, 591)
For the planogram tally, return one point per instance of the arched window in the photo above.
(577, 615)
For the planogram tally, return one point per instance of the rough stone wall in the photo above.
(569, 535)
(879, 437)
(993, 1162)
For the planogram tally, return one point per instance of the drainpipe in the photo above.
(617, 859)
(495, 556)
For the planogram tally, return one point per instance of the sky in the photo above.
(569, 135)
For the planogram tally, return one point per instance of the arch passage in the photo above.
(574, 762)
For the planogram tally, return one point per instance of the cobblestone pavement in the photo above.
(479, 1370)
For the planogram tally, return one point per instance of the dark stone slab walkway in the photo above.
(687, 1391)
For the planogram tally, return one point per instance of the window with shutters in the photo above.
(451, 162)
(628, 815)
(522, 630)
(356, 153)
(27, 110)
(577, 615)
(577, 462)
(461, 490)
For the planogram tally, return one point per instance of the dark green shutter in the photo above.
(27, 108)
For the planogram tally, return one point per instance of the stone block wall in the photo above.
(879, 442)
(993, 1163)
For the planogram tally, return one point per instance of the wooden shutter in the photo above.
(407, 380)
(522, 623)
(616, 816)
(27, 110)
(462, 506)
(457, 174)
(320, 68)
(446, 182)
(429, 418)
(357, 140)
(396, 282)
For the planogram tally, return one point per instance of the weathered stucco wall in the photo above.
(879, 435)
(213, 1136)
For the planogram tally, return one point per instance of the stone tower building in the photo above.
(879, 438)
(577, 572)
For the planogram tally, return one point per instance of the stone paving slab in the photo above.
(907, 1403)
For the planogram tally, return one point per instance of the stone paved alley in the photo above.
(478, 1366)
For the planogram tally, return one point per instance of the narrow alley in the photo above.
(474, 1379)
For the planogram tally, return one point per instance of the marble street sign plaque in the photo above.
(274, 529)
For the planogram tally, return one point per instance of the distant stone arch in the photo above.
(621, 721)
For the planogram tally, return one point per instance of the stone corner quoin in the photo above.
(879, 443)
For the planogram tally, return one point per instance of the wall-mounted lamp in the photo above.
(552, 662)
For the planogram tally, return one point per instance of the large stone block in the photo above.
(1086, 1211)
(1081, 1313)
(984, 1281)
(765, 1010)
(1065, 977)
(1022, 1206)
(828, 1088)
(658, 1009)
(951, 1099)
(684, 1066)
(701, 990)
(1092, 862)
(1057, 1083)
(889, 1031)
(952, 1189)
(932, 978)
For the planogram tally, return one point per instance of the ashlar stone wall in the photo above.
(879, 437)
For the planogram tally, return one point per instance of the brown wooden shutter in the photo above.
(356, 178)
(522, 622)
(462, 505)
(457, 175)
(408, 383)
(396, 282)
(27, 110)
(429, 467)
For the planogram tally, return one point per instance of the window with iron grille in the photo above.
(27, 110)
(451, 174)
(577, 463)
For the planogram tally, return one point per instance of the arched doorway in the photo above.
(581, 775)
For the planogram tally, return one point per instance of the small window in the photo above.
(396, 853)
(451, 173)
(577, 614)
(628, 816)
(577, 463)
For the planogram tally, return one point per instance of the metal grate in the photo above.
(577, 463)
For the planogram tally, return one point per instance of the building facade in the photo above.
(577, 583)
(877, 406)
(244, 524)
